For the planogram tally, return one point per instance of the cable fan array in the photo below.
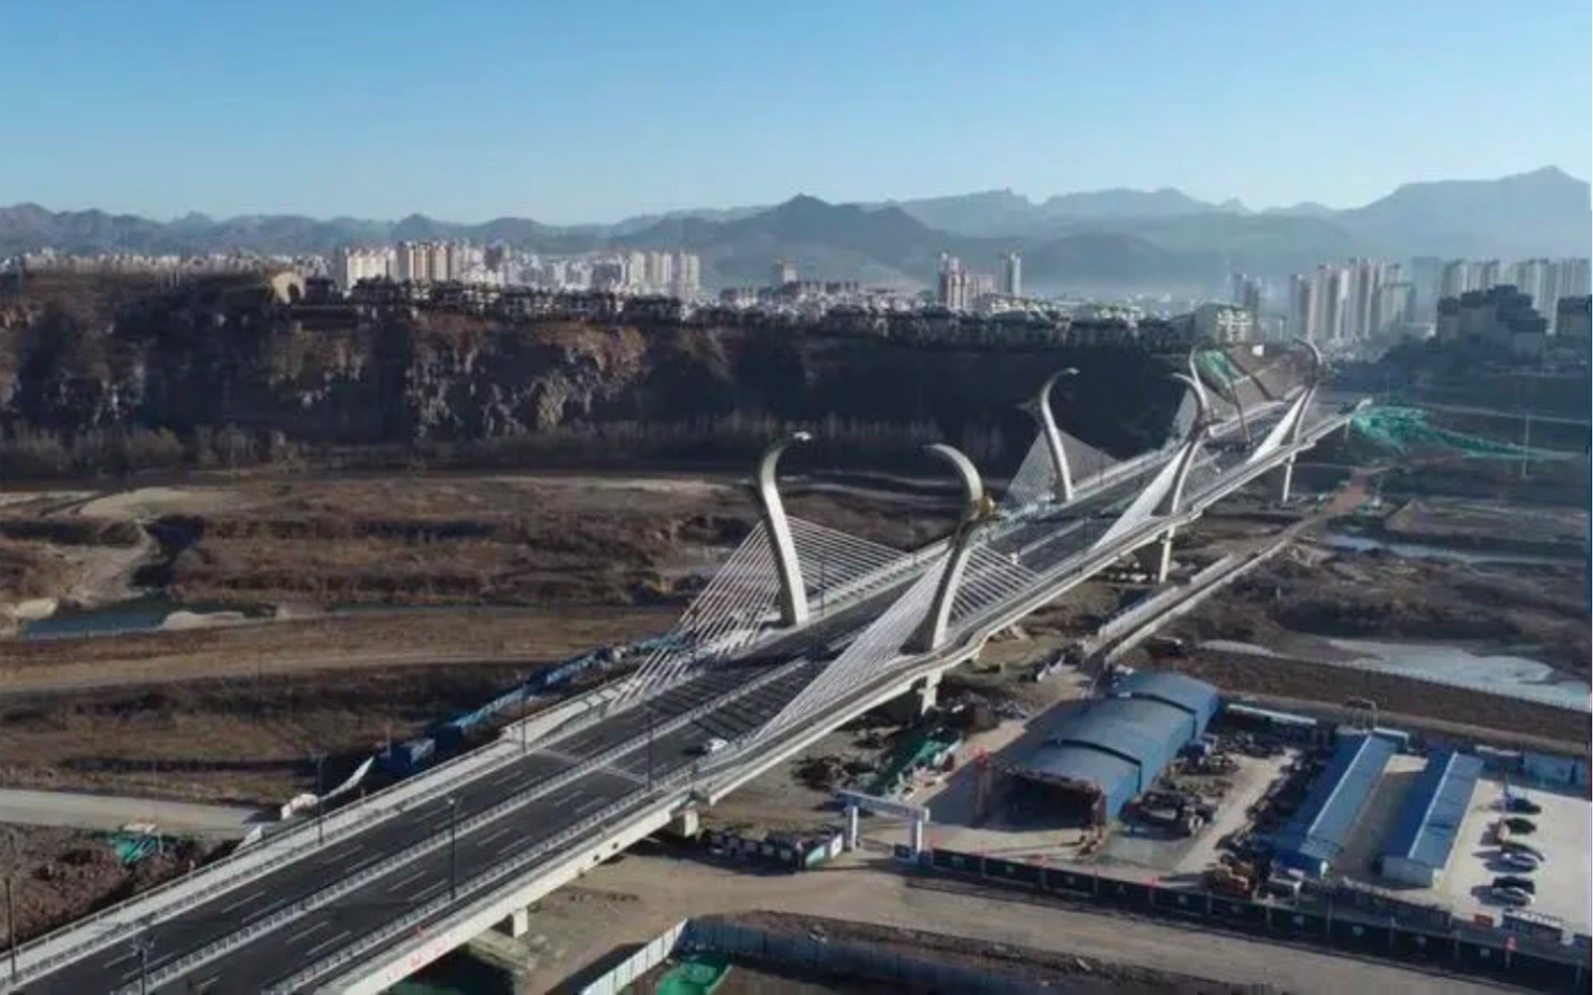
(739, 603)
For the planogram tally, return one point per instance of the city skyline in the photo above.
(847, 103)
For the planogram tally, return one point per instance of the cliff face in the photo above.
(207, 358)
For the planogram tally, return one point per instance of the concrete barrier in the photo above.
(629, 971)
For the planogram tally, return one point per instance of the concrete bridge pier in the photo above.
(927, 694)
(1164, 557)
(686, 824)
(1288, 481)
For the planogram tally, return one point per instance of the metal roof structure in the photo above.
(1335, 802)
(1063, 763)
(1148, 733)
(1433, 811)
(1121, 744)
(1195, 697)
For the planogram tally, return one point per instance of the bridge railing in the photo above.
(662, 787)
(441, 837)
(247, 864)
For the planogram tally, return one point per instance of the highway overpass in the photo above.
(366, 896)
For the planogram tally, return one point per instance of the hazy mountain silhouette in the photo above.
(1088, 240)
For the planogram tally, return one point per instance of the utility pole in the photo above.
(11, 926)
(649, 745)
(453, 849)
(143, 942)
(320, 800)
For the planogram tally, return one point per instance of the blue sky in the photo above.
(568, 111)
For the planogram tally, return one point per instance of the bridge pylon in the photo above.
(1039, 406)
(793, 590)
(931, 632)
(1297, 424)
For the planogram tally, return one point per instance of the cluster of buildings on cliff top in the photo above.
(1541, 318)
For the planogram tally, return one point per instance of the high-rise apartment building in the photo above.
(686, 269)
(350, 266)
(953, 283)
(783, 272)
(1488, 274)
(1301, 308)
(1011, 282)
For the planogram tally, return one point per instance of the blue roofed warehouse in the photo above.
(1114, 748)
(1429, 822)
(1318, 832)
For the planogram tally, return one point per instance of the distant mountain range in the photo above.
(1109, 239)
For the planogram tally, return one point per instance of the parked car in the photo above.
(1512, 896)
(1520, 846)
(1515, 860)
(1520, 826)
(1521, 805)
(1516, 881)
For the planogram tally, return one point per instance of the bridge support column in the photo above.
(686, 824)
(932, 631)
(852, 813)
(1040, 407)
(517, 925)
(1164, 557)
(793, 590)
(920, 825)
(928, 694)
(1288, 481)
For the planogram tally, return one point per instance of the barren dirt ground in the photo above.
(637, 898)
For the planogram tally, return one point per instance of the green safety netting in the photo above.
(697, 975)
(1217, 365)
(1402, 429)
(130, 848)
(924, 750)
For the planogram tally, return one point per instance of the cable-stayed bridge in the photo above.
(802, 628)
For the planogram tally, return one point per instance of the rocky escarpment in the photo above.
(222, 371)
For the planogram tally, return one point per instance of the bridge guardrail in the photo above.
(464, 826)
(686, 774)
(308, 837)
(284, 847)
(417, 917)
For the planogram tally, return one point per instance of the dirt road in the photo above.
(641, 896)
(107, 813)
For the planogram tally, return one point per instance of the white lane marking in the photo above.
(204, 985)
(320, 947)
(590, 804)
(347, 851)
(400, 883)
(127, 956)
(313, 928)
(245, 900)
(496, 833)
(430, 890)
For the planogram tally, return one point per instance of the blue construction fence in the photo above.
(1460, 948)
(403, 759)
